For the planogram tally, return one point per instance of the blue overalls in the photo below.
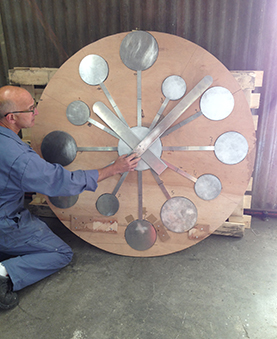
(35, 250)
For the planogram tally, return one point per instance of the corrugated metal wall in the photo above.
(240, 33)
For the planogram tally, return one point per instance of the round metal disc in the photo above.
(174, 87)
(140, 235)
(207, 187)
(140, 132)
(231, 148)
(107, 204)
(179, 214)
(217, 103)
(139, 50)
(93, 69)
(64, 202)
(77, 112)
(59, 147)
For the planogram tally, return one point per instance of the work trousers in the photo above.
(35, 251)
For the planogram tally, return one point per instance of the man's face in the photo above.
(25, 103)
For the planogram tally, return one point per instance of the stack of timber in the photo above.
(35, 80)
(235, 225)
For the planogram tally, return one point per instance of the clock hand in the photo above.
(102, 127)
(173, 115)
(127, 135)
(216, 104)
(182, 123)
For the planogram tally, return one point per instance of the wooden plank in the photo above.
(250, 185)
(255, 121)
(255, 100)
(259, 78)
(233, 229)
(249, 79)
(245, 79)
(244, 219)
(31, 76)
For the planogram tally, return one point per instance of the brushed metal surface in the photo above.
(140, 235)
(173, 88)
(59, 147)
(77, 112)
(231, 148)
(207, 187)
(217, 103)
(64, 202)
(139, 50)
(107, 204)
(93, 69)
(179, 214)
(141, 132)
(127, 135)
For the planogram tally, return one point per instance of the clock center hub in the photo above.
(141, 133)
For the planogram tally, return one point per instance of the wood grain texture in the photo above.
(176, 56)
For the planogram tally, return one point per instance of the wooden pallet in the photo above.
(35, 79)
(238, 221)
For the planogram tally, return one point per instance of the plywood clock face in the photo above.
(175, 105)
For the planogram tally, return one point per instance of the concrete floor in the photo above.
(220, 288)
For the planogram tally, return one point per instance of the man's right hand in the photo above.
(122, 164)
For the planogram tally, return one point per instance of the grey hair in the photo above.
(5, 107)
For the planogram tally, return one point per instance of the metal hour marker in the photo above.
(217, 103)
(207, 186)
(78, 113)
(140, 235)
(179, 214)
(173, 88)
(64, 202)
(138, 51)
(94, 70)
(231, 148)
(61, 148)
(107, 204)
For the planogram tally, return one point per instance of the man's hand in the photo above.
(122, 164)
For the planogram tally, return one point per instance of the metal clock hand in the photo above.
(173, 115)
(127, 135)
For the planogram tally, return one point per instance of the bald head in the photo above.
(17, 108)
(10, 98)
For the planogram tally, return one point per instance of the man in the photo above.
(34, 251)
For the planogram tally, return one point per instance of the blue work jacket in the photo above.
(23, 170)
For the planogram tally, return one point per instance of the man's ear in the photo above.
(11, 118)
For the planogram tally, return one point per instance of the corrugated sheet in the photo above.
(240, 33)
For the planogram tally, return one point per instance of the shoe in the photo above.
(8, 299)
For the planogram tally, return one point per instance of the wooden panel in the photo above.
(66, 86)
(30, 75)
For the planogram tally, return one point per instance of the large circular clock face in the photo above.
(175, 105)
